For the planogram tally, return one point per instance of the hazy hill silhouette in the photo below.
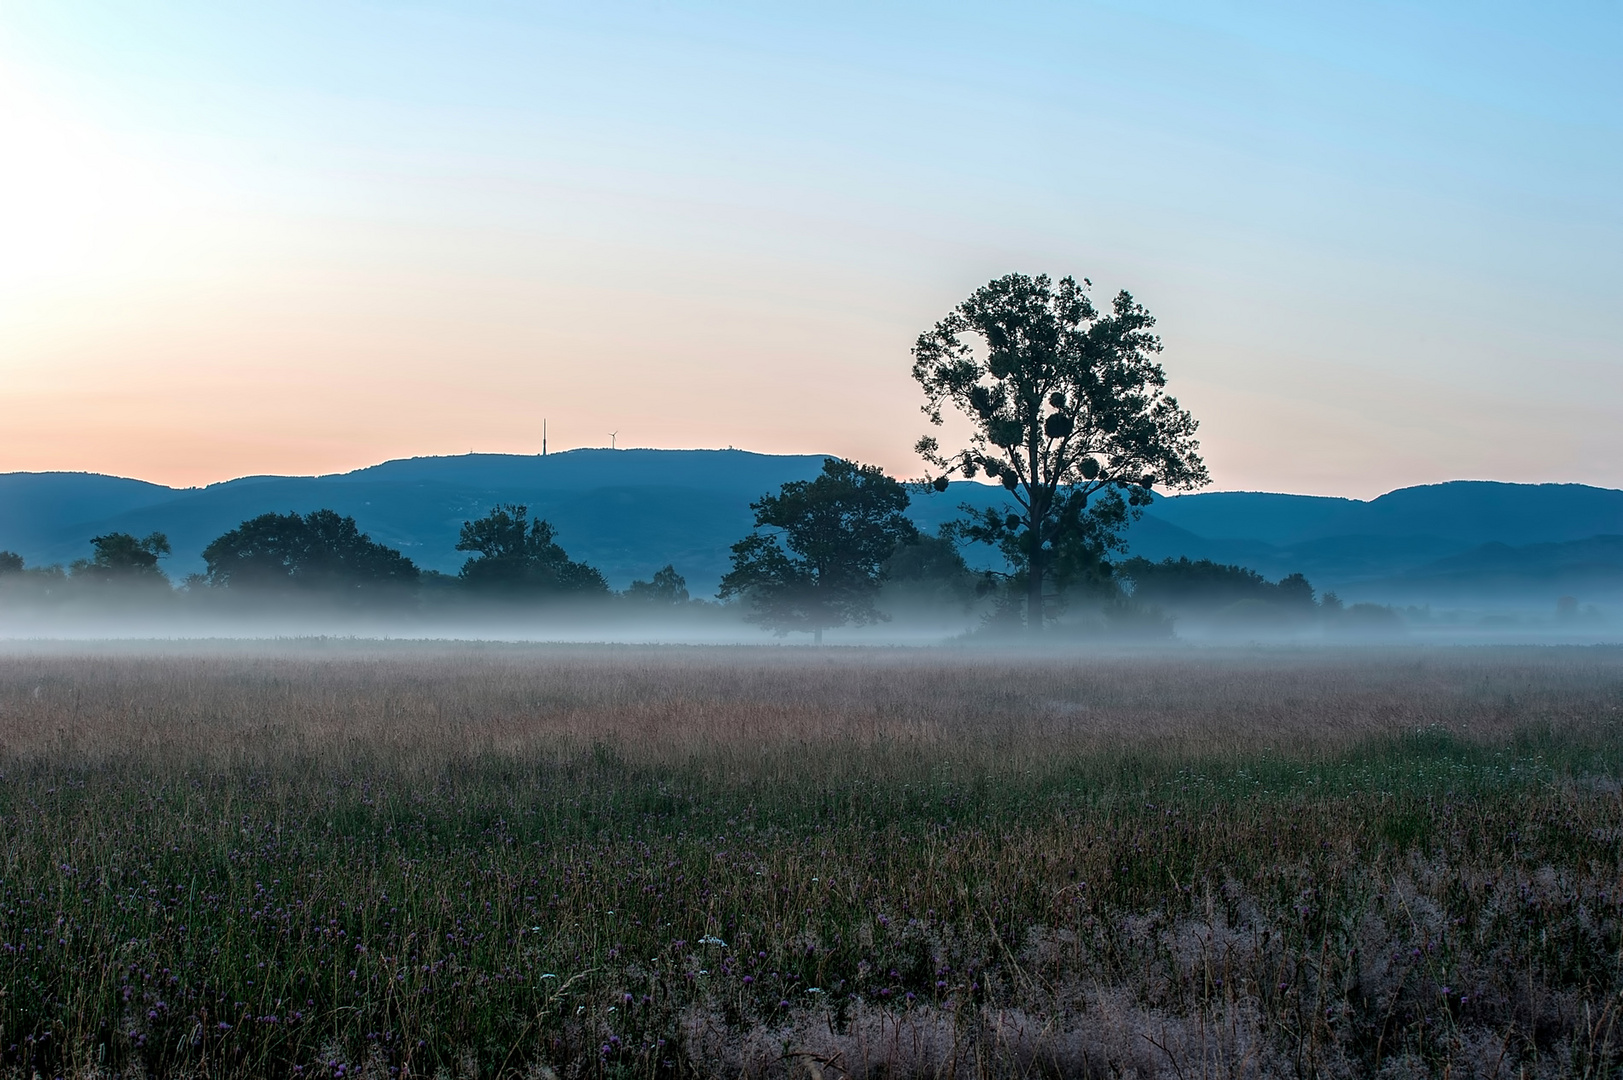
(1396, 548)
(1461, 511)
(628, 512)
(34, 507)
(1591, 569)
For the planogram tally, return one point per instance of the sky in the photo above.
(1384, 242)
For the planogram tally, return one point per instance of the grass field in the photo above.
(340, 859)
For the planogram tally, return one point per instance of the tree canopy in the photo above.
(121, 557)
(929, 572)
(820, 561)
(668, 587)
(1069, 413)
(516, 555)
(1201, 583)
(319, 551)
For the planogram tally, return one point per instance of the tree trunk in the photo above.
(1037, 513)
(1034, 587)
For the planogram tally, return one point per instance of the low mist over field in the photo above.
(1463, 561)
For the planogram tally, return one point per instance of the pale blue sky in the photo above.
(1383, 241)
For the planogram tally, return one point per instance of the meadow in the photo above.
(326, 858)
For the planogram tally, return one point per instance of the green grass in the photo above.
(355, 901)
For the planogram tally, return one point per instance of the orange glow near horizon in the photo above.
(241, 242)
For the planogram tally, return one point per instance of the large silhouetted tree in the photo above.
(519, 557)
(316, 552)
(816, 557)
(1069, 412)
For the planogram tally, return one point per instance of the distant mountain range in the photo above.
(629, 512)
(1453, 543)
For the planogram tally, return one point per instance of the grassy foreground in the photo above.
(414, 860)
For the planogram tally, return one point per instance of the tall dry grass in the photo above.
(421, 704)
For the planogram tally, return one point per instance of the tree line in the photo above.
(1066, 408)
(325, 553)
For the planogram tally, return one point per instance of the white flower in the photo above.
(711, 939)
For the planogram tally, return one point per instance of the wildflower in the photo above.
(710, 939)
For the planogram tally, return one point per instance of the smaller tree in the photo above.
(1196, 584)
(668, 588)
(822, 563)
(517, 555)
(316, 552)
(930, 572)
(121, 557)
(10, 563)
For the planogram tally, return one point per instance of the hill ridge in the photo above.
(630, 511)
